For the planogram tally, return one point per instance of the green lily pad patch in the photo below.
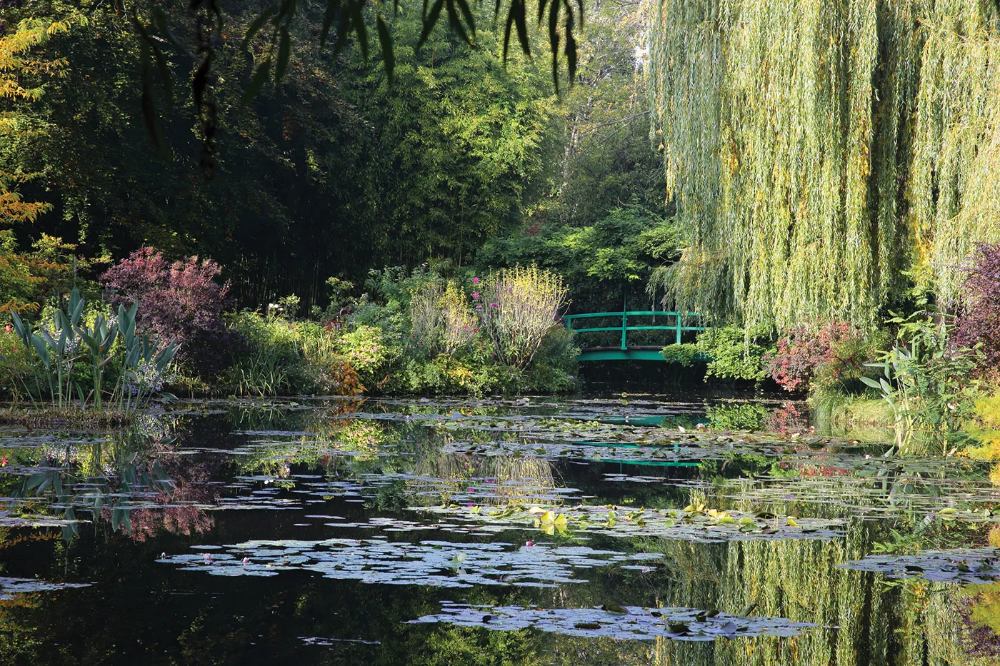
(617, 622)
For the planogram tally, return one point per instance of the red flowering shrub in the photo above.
(789, 419)
(179, 301)
(978, 321)
(808, 358)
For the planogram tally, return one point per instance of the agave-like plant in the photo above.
(57, 350)
(144, 364)
(119, 491)
(141, 362)
(99, 340)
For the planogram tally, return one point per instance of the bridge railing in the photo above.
(677, 326)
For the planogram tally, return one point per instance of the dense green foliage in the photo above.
(603, 224)
(331, 173)
(71, 359)
(732, 353)
(604, 262)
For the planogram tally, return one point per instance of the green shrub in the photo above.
(279, 357)
(735, 353)
(554, 367)
(683, 354)
(327, 371)
(423, 334)
(16, 367)
(929, 384)
(370, 352)
(270, 360)
(441, 318)
(737, 416)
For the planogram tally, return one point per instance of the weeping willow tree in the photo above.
(822, 153)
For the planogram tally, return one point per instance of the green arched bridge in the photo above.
(673, 323)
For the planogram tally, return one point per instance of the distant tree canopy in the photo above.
(826, 156)
(331, 172)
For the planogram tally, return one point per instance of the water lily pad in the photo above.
(702, 525)
(11, 587)
(960, 565)
(435, 563)
(623, 623)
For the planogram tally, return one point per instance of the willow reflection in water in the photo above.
(862, 618)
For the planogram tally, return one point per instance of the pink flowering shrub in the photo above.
(807, 358)
(789, 419)
(179, 301)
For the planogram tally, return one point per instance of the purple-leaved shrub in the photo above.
(978, 320)
(179, 301)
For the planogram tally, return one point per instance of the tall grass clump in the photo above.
(518, 308)
(426, 317)
(327, 370)
(459, 324)
(277, 357)
(441, 318)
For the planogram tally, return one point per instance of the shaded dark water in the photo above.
(598, 531)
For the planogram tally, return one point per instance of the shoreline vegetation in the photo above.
(926, 381)
(280, 281)
(43, 416)
(434, 330)
(154, 328)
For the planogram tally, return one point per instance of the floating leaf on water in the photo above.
(696, 526)
(961, 565)
(434, 563)
(627, 623)
(11, 587)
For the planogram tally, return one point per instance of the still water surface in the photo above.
(543, 531)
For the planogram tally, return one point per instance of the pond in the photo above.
(615, 529)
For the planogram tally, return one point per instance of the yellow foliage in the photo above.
(22, 77)
(17, 66)
(985, 426)
(459, 322)
(460, 375)
(519, 307)
(985, 604)
(988, 411)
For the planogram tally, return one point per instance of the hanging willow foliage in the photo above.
(822, 152)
